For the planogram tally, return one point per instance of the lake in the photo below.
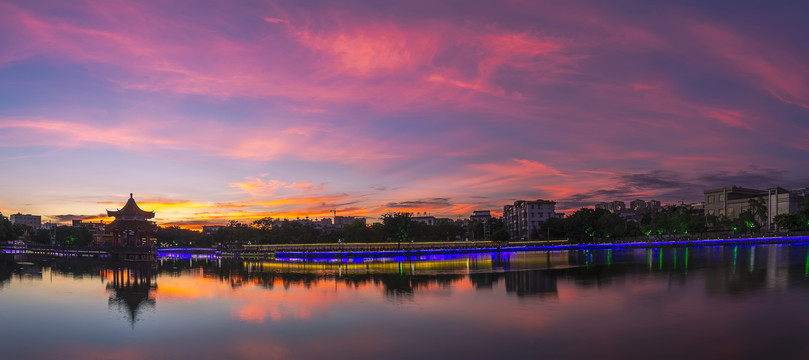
(697, 302)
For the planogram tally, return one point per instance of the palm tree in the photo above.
(758, 208)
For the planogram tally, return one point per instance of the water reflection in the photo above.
(735, 270)
(518, 302)
(130, 287)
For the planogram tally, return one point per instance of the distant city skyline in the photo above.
(212, 111)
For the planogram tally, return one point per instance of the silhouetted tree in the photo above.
(397, 225)
(73, 236)
(787, 221)
(357, 232)
(175, 236)
(6, 231)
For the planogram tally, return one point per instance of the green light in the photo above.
(735, 250)
(660, 231)
(660, 259)
(647, 232)
(735, 228)
(749, 224)
(686, 259)
(609, 260)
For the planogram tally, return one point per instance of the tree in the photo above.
(73, 236)
(446, 231)
(264, 223)
(474, 230)
(6, 231)
(747, 221)
(500, 236)
(397, 225)
(555, 228)
(610, 225)
(584, 224)
(42, 236)
(172, 236)
(712, 222)
(496, 224)
(357, 232)
(676, 219)
(758, 209)
(787, 221)
(294, 232)
(238, 233)
(22, 230)
(803, 213)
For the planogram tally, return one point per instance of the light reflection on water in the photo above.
(719, 301)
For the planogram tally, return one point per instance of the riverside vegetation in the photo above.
(584, 225)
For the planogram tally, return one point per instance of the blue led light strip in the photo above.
(394, 253)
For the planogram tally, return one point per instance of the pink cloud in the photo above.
(779, 72)
(554, 102)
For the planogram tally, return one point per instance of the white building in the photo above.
(429, 220)
(34, 221)
(523, 219)
(343, 221)
(731, 201)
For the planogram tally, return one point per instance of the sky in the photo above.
(210, 111)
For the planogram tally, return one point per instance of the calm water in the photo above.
(705, 302)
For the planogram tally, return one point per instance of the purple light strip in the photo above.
(394, 253)
(185, 249)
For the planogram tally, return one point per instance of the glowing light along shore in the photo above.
(300, 255)
(685, 243)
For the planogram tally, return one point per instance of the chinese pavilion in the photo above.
(131, 227)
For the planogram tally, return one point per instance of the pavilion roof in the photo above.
(131, 209)
(130, 225)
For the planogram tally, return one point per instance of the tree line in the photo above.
(394, 227)
(599, 225)
(583, 225)
(58, 235)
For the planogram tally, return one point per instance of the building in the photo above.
(429, 220)
(34, 221)
(523, 219)
(614, 206)
(343, 221)
(94, 227)
(782, 201)
(731, 201)
(211, 229)
(696, 209)
(481, 215)
(131, 227)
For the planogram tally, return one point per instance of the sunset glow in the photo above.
(211, 111)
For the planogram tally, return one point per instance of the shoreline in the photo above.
(315, 251)
(545, 247)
